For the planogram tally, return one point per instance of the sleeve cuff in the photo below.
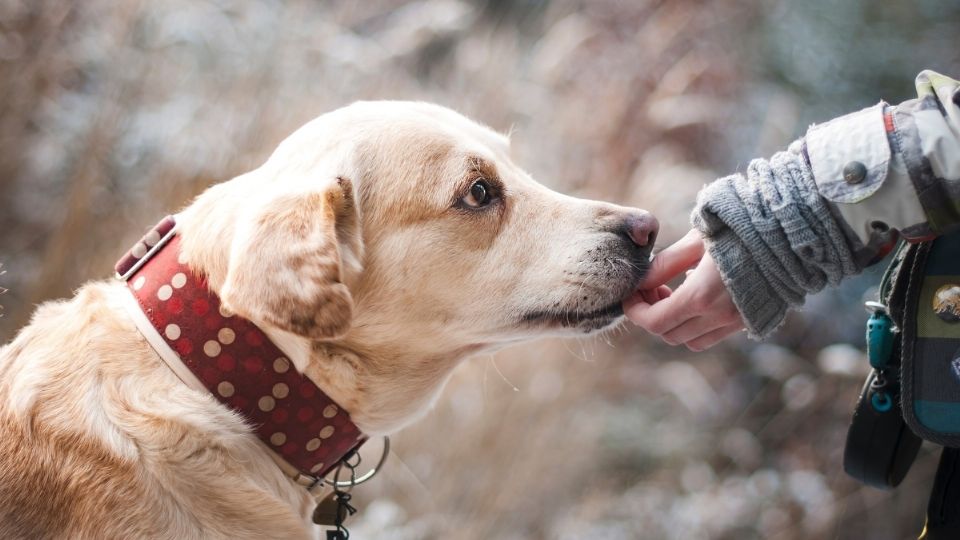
(760, 307)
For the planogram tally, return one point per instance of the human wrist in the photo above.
(761, 309)
(773, 237)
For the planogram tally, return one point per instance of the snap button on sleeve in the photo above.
(850, 156)
(854, 172)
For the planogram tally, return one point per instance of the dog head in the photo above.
(404, 232)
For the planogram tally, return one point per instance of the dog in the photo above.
(379, 246)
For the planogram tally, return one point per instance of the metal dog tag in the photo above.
(328, 510)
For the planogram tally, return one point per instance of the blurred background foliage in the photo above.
(114, 113)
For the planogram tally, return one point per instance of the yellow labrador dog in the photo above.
(379, 246)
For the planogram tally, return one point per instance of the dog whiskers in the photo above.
(502, 376)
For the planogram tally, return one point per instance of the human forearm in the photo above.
(774, 239)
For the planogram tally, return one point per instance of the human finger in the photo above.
(647, 296)
(695, 328)
(661, 317)
(673, 260)
(652, 296)
(710, 339)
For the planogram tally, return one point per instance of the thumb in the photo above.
(673, 260)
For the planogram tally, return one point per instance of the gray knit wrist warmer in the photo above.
(773, 237)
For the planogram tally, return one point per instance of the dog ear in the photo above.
(287, 262)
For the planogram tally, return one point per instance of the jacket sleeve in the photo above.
(774, 238)
(835, 201)
(893, 167)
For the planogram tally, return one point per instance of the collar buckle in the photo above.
(147, 247)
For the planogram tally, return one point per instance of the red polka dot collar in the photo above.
(234, 360)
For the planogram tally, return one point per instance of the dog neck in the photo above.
(385, 391)
(211, 349)
(384, 387)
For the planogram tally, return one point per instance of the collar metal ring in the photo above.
(347, 484)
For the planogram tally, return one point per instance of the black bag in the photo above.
(922, 376)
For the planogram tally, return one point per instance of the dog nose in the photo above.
(642, 228)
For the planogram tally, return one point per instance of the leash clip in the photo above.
(335, 508)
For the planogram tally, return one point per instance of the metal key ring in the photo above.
(367, 475)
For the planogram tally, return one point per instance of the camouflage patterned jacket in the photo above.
(835, 201)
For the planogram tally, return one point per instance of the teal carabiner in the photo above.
(879, 336)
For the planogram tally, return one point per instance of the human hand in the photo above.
(699, 313)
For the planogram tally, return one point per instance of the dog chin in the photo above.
(576, 320)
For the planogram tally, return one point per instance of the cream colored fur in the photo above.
(352, 248)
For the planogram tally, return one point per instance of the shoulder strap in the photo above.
(943, 510)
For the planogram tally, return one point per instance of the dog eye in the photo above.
(480, 195)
